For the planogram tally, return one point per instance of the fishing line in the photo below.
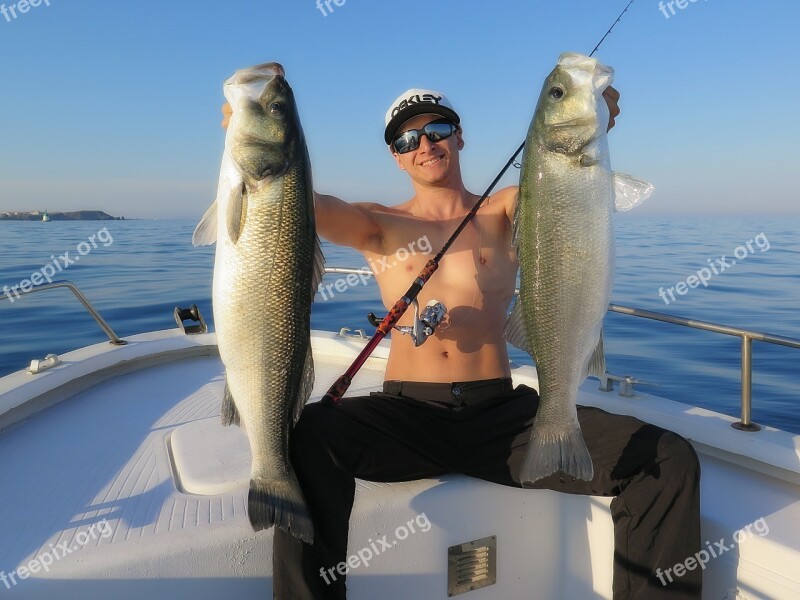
(340, 386)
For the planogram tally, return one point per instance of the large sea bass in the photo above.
(564, 239)
(268, 264)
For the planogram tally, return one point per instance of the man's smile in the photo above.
(431, 161)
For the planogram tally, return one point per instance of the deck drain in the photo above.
(471, 565)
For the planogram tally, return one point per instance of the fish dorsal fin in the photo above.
(515, 222)
(597, 362)
(514, 331)
(206, 231)
(318, 267)
(237, 210)
(630, 192)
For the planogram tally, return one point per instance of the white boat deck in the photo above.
(118, 456)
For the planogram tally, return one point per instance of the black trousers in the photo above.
(415, 430)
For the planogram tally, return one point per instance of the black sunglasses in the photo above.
(408, 141)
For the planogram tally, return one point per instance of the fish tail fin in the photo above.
(551, 451)
(281, 503)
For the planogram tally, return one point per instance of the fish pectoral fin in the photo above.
(514, 331)
(237, 209)
(229, 413)
(515, 223)
(597, 361)
(206, 231)
(630, 192)
(318, 267)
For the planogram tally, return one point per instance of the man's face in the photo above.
(432, 162)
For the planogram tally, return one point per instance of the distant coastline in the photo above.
(78, 215)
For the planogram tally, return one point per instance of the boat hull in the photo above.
(127, 440)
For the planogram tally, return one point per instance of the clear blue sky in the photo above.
(115, 105)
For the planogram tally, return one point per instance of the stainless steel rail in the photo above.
(113, 337)
(347, 271)
(747, 336)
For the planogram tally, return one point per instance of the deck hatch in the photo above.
(471, 565)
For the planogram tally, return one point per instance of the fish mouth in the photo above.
(248, 140)
(579, 122)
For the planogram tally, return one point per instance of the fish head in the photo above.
(571, 112)
(264, 134)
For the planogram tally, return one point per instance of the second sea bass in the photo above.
(267, 268)
(565, 245)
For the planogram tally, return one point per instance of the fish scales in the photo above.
(269, 272)
(563, 314)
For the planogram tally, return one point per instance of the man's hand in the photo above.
(612, 97)
(227, 111)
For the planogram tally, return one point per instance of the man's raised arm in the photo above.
(347, 224)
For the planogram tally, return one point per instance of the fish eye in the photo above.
(276, 108)
(556, 93)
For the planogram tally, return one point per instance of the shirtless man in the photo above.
(448, 405)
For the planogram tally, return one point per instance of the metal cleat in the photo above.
(359, 333)
(190, 314)
(626, 383)
(50, 361)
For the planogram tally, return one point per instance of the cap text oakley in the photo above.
(415, 99)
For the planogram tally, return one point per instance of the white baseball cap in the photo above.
(413, 102)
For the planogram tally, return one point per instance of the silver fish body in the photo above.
(267, 267)
(565, 246)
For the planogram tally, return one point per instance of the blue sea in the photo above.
(136, 272)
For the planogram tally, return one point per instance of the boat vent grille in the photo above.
(471, 565)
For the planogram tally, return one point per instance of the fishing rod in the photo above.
(610, 28)
(334, 395)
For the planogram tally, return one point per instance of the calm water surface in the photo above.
(136, 280)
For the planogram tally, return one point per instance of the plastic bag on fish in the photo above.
(630, 192)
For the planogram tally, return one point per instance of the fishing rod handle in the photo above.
(334, 395)
(339, 388)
